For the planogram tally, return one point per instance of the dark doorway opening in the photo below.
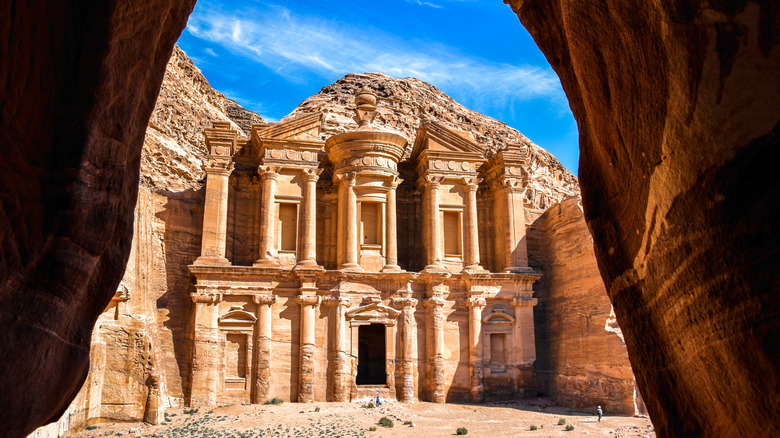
(371, 355)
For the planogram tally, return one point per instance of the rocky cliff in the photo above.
(404, 103)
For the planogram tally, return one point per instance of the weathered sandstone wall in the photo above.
(581, 357)
(678, 113)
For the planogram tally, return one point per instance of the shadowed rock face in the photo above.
(79, 82)
(678, 107)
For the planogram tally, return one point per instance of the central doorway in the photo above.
(371, 355)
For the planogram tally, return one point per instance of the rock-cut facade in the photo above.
(336, 270)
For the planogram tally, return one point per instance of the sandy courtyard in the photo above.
(352, 420)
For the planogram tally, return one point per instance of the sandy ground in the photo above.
(351, 420)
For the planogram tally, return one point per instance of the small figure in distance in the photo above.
(377, 401)
(600, 412)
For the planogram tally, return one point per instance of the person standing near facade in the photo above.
(599, 412)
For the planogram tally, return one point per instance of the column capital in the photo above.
(337, 301)
(311, 174)
(510, 184)
(431, 181)
(435, 302)
(476, 302)
(207, 298)
(471, 183)
(268, 172)
(393, 182)
(308, 300)
(524, 302)
(264, 299)
(405, 302)
(348, 177)
(218, 166)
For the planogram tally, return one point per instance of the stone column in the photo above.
(263, 346)
(435, 255)
(341, 361)
(206, 357)
(391, 230)
(306, 368)
(309, 241)
(269, 176)
(525, 344)
(408, 347)
(477, 392)
(472, 225)
(438, 389)
(516, 252)
(351, 229)
(215, 211)
(390, 341)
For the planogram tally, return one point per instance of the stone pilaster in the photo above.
(391, 229)
(306, 373)
(342, 363)
(350, 229)
(408, 348)
(470, 186)
(525, 344)
(308, 255)
(476, 365)
(437, 384)
(215, 210)
(516, 249)
(205, 349)
(269, 175)
(432, 231)
(262, 347)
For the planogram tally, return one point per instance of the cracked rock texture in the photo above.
(678, 109)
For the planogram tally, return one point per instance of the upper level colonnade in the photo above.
(284, 199)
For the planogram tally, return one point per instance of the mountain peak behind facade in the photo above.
(403, 104)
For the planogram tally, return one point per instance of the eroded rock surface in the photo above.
(678, 110)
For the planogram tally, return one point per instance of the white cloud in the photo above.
(422, 3)
(211, 52)
(296, 47)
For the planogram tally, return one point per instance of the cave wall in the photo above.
(677, 107)
(75, 102)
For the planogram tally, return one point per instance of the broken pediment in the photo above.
(435, 137)
(303, 127)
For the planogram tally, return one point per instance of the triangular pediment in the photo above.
(436, 137)
(302, 127)
(373, 311)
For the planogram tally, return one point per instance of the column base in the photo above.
(351, 267)
(519, 270)
(475, 269)
(266, 263)
(308, 264)
(435, 268)
(211, 260)
(392, 268)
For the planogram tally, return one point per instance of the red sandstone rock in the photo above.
(678, 105)
(79, 83)
(581, 359)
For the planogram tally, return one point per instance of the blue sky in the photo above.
(269, 57)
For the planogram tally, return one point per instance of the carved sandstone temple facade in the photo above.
(334, 270)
